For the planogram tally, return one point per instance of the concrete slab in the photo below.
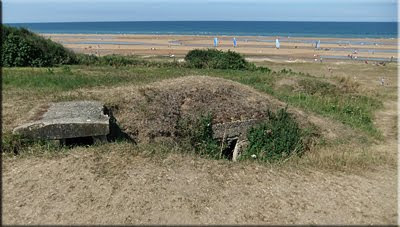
(67, 120)
(235, 129)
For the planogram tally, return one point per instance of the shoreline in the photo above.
(291, 48)
(218, 35)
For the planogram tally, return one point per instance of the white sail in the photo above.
(277, 44)
(318, 44)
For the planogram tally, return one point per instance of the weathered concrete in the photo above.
(68, 120)
(240, 146)
(233, 130)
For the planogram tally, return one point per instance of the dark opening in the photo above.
(116, 133)
(228, 151)
(79, 141)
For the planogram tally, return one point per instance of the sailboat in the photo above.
(215, 42)
(317, 44)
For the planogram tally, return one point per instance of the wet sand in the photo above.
(291, 48)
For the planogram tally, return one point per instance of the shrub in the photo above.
(286, 71)
(217, 59)
(263, 69)
(274, 139)
(197, 134)
(119, 60)
(87, 59)
(21, 47)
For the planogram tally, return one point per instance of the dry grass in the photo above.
(138, 100)
(367, 75)
(119, 184)
(156, 108)
(346, 178)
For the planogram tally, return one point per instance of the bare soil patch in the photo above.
(111, 186)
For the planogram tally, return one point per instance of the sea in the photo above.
(232, 28)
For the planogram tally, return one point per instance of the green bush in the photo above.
(87, 59)
(278, 137)
(111, 60)
(119, 60)
(21, 47)
(217, 59)
(197, 134)
(263, 69)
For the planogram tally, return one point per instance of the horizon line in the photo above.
(49, 22)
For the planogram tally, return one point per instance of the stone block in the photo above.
(67, 120)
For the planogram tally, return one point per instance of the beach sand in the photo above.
(253, 47)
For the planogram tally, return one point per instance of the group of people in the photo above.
(351, 56)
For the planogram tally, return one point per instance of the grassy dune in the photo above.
(339, 96)
(334, 97)
(348, 176)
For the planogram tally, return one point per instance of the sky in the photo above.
(25, 11)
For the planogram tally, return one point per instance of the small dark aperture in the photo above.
(228, 151)
(79, 141)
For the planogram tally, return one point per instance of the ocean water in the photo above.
(236, 28)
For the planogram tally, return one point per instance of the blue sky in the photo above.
(15, 11)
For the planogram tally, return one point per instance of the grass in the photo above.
(58, 79)
(278, 138)
(54, 82)
(354, 110)
(327, 99)
(353, 104)
(343, 157)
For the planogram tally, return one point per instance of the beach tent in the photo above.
(277, 44)
(215, 41)
(234, 42)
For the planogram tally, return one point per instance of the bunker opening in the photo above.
(77, 141)
(227, 153)
(116, 133)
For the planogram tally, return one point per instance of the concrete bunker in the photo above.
(233, 134)
(72, 124)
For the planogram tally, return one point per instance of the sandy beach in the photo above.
(253, 47)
